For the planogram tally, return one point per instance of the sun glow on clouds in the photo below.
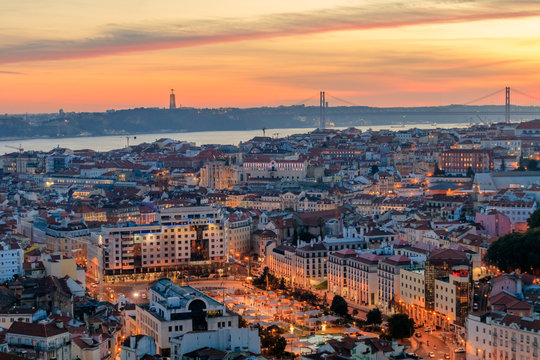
(404, 53)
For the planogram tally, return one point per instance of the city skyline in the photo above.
(92, 57)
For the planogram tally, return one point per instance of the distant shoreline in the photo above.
(391, 126)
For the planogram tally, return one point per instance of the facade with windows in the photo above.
(11, 260)
(40, 341)
(499, 336)
(185, 236)
(175, 310)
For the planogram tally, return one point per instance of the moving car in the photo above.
(431, 354)
(418, 335)
(428, 329)
(459, 350)
(447, 356)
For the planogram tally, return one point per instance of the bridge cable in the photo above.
(484, 97)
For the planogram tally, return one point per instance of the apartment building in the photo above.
(40, 341)
(354, 276)
(459, 161)
(412, 293)
(518, 211)
(175, 310)
(281, 260)
(512, 145)
(184, 236)
(388, 271)
(499, 336)
(11, 260)
(310, 265)
(238, 233)
(68, 237)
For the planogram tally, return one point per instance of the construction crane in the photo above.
(18, 163)
(127, 140)
(19, 149)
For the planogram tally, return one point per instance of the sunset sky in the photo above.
(103, 54)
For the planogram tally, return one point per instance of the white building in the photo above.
(272, 168)
(11, 260)
(175, 310)
(135, 347)
(353, 276)
(412, 290)
(225, 339)
(499, 336)
(238, 234)
(511, 144)
(519, 211)
(310, 265)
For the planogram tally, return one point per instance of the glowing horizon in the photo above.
(94, 56)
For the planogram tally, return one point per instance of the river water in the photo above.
(107, 143)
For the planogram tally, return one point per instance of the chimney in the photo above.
(519, 287)
(59, 324)
(132, 342)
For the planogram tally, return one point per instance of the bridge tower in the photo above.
(507, 105)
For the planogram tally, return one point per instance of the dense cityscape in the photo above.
(331, 244)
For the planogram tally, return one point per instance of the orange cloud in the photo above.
(128, 39)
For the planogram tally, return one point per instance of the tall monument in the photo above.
(172, 100)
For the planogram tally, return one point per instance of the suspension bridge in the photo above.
(502, 102)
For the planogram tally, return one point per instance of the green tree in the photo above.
(282, 284)
(516, 251)
(374, 317)
(470, 172)
(305, 236)
(339, 306)
(277, 348)
(242, 323)
(532, 165)
(400, 326)
(438, 170)
(534, 220)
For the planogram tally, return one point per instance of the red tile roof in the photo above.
(36, 330)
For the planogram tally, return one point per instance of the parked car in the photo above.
(447, 356)
(418, 335)
(428, 329)
(431, 354)
(459, 350)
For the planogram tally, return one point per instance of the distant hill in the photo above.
(150, 120)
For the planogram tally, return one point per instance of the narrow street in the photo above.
(432, 342)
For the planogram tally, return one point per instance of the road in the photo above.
(480, 296)
(432, 342)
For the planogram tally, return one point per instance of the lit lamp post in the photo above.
(291, 329)
(249, 265)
